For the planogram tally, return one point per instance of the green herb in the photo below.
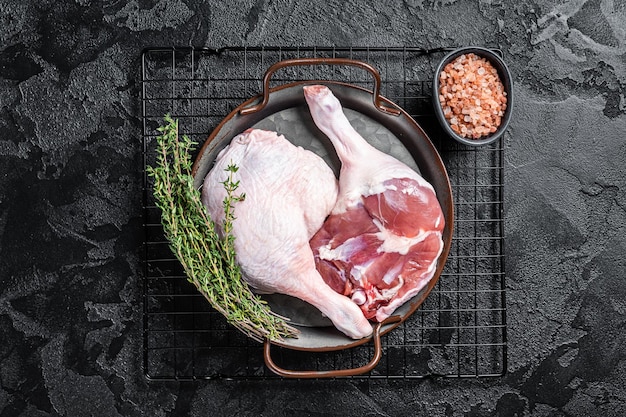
(209, 261)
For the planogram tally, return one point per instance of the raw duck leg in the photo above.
(289, 191)
(381, 242)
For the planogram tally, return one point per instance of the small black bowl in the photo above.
(505, 77)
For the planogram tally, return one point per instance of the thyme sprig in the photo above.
(209, 261)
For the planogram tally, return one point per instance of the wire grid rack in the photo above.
(459, 331)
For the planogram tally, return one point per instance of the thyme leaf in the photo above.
(208, 260)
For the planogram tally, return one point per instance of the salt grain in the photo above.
(470, 87)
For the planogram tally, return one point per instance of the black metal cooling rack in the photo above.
(460, 330)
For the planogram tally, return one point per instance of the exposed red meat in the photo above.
(381, 242)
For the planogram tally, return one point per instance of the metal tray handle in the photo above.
(321, 61)
(269, 362)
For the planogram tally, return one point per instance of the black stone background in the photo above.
(70, 215)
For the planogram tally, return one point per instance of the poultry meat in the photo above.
(289, 191)
(381, 242)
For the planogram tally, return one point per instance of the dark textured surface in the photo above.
(70, 215)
